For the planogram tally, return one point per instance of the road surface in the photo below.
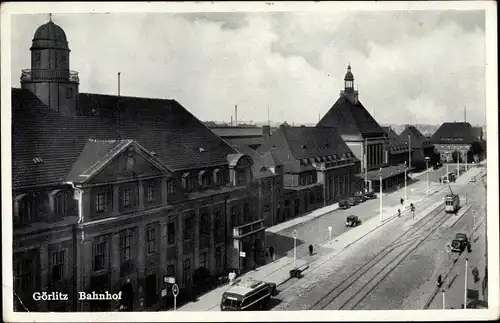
(316, 231)
(381, 271)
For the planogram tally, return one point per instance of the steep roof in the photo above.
(454, 132)
(396, 145)
(417, 139)
(259, 167)
(351, 119)
(178, 138)
(290, 144)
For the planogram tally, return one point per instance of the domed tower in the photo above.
(50, 78)
(349, 90)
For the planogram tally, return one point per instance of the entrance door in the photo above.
(127, 297)
(151, 290)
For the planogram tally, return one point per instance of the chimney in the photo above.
(266, 131)
(236, 115)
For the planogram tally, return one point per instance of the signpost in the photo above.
(330, 234)
(294, 248)
(243, 254)
(175, 291)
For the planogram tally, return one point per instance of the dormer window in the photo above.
(262, 169)
(37, 160)
(23, 209)
(217, 177)
(201, 150)
(303, 146)
(203, 179)
(170, 187)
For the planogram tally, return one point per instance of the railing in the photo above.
(48, 74)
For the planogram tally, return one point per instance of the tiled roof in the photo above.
(244, 141)
(418, 140)
(454, 132)
(396, 145)
(351, 120)
(259, 167)
(294, 143)
(178, 138)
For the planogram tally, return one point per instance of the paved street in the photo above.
(382, 285)
(316, 232)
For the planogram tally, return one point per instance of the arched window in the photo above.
(23, 209)
(217, 176)
(58, 202)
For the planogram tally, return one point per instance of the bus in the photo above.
(452, 203)
(246, 295)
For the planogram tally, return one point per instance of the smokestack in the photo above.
(236, 115)
(119, 73)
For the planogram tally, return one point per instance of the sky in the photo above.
(410, 67)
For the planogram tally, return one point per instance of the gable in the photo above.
(127, 165)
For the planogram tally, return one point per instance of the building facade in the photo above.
(365, 138)
(114, 193)
(399, 154)
(421, 147)
(459, 142)
(318, 167)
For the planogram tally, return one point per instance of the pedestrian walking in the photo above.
(310, 250)
(439, 281)
(402, 200)
(399, 212)
(271, 252)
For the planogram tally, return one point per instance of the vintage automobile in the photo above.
(344, 204)
(352, 221)
(458, 245)
(352, 201)
(370, 195)
(462, 237)
(438, 165)
(360, 197)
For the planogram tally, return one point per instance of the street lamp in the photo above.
(427, 171)
(380, 178)
(294, 248)
(405, 183)
(458, 163)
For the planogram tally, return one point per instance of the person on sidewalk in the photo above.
(310, 250)
(439, 281)
(271, 252)
(399, 213)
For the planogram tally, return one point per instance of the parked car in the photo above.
(359, 199)
(370, 195)
(352, 201)
(438, 165)
(344, 204)
(352, 221)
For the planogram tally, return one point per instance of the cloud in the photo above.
(429, 64)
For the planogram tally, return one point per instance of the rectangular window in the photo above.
(171, 233)
(151, 239)
(69, 93)
(24, 275)
(170, 271)
(188, 226)
(60, 204)
(57, 262)
(204, 224)
(205, 180)
(126, 246)
(127, 197)
(26, 210)
(186, 272)
(101, 202)
(218, 258)
(203, 259)
(218, 177)
(99, 255)
(240, 177)
(170, 187)
(235, 217)
(151, 193)
(246, 213)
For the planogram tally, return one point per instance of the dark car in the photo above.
(462, 237)
(352, 221)
(352, 201)
(437, 166)
(370, 195)
(359, 199)
(458, 245)
(344, 204)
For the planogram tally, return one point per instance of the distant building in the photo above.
(364, 136)
(243, 136)
(398, 149)
(114, 193)
(457, 140)
(319, 168)
(421, 147)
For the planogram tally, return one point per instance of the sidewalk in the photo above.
(278, 271)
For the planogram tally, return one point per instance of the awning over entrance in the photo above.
(387, 172)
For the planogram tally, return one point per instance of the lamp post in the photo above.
(405, 183)
(294, 248)
(380, 178)
(427, 172)
(458, 163)
(465, 291)
(444, 304)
